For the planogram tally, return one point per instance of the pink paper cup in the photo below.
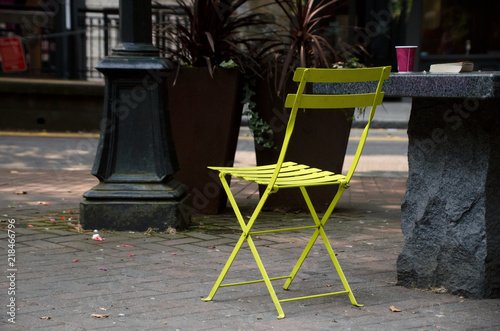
(406, 57)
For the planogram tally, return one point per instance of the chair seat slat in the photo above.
(292, 175)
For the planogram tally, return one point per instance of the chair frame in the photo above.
(289, 174)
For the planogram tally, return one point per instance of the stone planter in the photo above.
(205, 114)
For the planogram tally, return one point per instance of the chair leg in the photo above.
(321, 231)
(313, 239)
(266, 278)
(225, 269)
(339, 269)
(303, 256)
(245, 236)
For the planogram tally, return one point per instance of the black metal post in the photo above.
(69, 44)
(136, 159)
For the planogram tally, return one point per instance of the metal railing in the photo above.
(102, 32)
(74, 53)
(101, 28)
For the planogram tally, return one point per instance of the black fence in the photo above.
(68, 44)
(102, 29)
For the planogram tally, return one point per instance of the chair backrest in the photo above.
(353, 99)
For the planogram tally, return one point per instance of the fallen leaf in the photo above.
(328, 285)
(43, 203)
(21, 192)
(76, 260)
(128, 245)
(45, 318)
(395, 310)
(104, 309)
(439, 290)
(100, 315)
(130, 255)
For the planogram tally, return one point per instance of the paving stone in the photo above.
(154, 287)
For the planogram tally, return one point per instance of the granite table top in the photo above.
(481, 85)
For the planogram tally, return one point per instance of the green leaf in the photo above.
(228, 64)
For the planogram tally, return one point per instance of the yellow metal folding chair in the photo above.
(288, 174)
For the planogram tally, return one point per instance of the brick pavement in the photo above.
(63, 276)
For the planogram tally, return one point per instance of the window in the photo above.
(460, 27)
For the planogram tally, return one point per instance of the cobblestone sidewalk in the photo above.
(64, 280)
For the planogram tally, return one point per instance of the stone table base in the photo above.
(451, 211)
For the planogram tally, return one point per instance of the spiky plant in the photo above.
(213, 31)
(304, 41)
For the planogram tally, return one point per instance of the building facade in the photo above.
(65, 39)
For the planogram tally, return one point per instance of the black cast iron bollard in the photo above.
(136, 158)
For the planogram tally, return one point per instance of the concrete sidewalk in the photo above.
(150, 281)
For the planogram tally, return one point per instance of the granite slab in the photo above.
(481, 85)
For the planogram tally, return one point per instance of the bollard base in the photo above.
(135, 215)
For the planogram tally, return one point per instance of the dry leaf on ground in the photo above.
(100, 315)
(395, 310)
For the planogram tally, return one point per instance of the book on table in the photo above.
(454, 67)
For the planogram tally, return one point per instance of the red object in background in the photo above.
(11, 51)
